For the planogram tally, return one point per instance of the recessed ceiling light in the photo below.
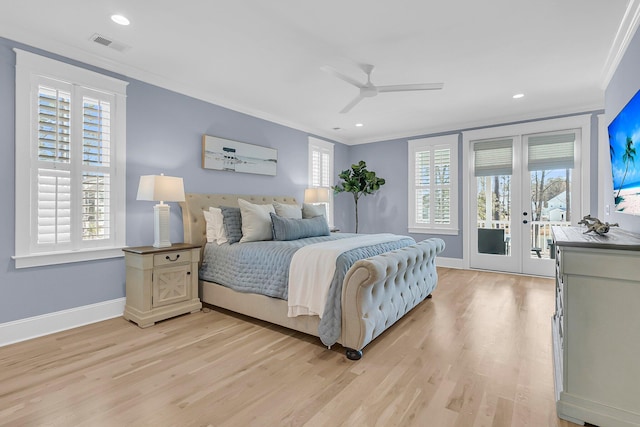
(518, 95)
(119, 19)
(359, 125)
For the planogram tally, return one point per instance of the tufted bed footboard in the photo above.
(380, 290)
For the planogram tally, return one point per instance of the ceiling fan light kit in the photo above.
(369, 90)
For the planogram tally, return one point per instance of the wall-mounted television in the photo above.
(624, 150)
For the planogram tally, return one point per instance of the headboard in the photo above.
(193, 218)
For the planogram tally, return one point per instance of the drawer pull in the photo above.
(169, 258)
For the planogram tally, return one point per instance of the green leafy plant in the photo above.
(358, 181)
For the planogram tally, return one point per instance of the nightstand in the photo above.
(161, 282)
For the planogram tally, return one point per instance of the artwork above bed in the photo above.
(227, 155)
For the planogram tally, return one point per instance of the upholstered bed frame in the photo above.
(376, 292)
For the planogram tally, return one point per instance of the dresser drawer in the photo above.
(171, 258)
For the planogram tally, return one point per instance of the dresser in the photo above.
(596, 327)
(161, 282)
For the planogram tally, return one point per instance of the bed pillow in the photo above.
(293, 229)
(256, 223)
(218, 225)
(288, 210)
(310, 211)
(232, 221)
(212, 235)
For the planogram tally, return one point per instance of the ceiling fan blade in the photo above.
(403, 88)
(341, 76)
(351, 104)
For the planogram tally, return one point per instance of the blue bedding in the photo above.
(263, 268)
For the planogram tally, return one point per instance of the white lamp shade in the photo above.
(316, 195)
(161, 188)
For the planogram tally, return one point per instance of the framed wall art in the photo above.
(227, 155)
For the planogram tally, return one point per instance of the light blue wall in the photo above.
(164, 131)
(624, 84)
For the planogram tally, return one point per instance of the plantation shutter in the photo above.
(433, 186)
(549, 152)
(53, 178)
(493, 158)
(442, 180)
(321, 170)
(73, 167)
(423, 186)
(96, 160)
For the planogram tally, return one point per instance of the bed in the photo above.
(374, 294)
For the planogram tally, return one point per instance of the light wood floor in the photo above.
(477, 354)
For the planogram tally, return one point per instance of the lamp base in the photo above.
(161, 226)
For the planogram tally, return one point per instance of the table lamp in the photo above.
(316, 195)
(161, 188)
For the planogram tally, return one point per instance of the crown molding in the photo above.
(626, 31)
(490, 122)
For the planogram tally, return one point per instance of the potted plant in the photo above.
(358, 181)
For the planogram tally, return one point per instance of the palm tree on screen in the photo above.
(627, 157)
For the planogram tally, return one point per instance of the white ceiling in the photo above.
(264, 57)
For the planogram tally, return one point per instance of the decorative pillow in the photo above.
(293, 229)
(232, 221)
(310, 211)
(287, 210)
(220, 235)
(256, 223)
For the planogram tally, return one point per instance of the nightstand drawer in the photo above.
(171, 258)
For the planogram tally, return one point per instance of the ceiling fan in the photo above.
(368, 89)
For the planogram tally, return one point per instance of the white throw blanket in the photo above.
(312, 269)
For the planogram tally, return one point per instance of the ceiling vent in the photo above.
(105, 41)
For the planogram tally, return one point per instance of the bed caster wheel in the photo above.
(354, 354)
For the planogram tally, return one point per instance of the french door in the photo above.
(521, 186)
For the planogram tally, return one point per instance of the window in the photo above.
(321, 169)
(70, 163)
(433, 185)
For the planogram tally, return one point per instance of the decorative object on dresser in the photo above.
(595, 225)
(595, 327)
(161, 188)
(359, 181)
(161, 282)
(374, 285)
(227, 155)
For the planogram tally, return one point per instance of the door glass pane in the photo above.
(494, 214)
(550, 206)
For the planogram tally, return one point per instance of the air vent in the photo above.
(105, 41)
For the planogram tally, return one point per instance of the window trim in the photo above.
(29, 69)
(415, 145)
(320, 145)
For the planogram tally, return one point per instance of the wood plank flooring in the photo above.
(476, 355)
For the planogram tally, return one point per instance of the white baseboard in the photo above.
(450, 262)
(37, 326)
